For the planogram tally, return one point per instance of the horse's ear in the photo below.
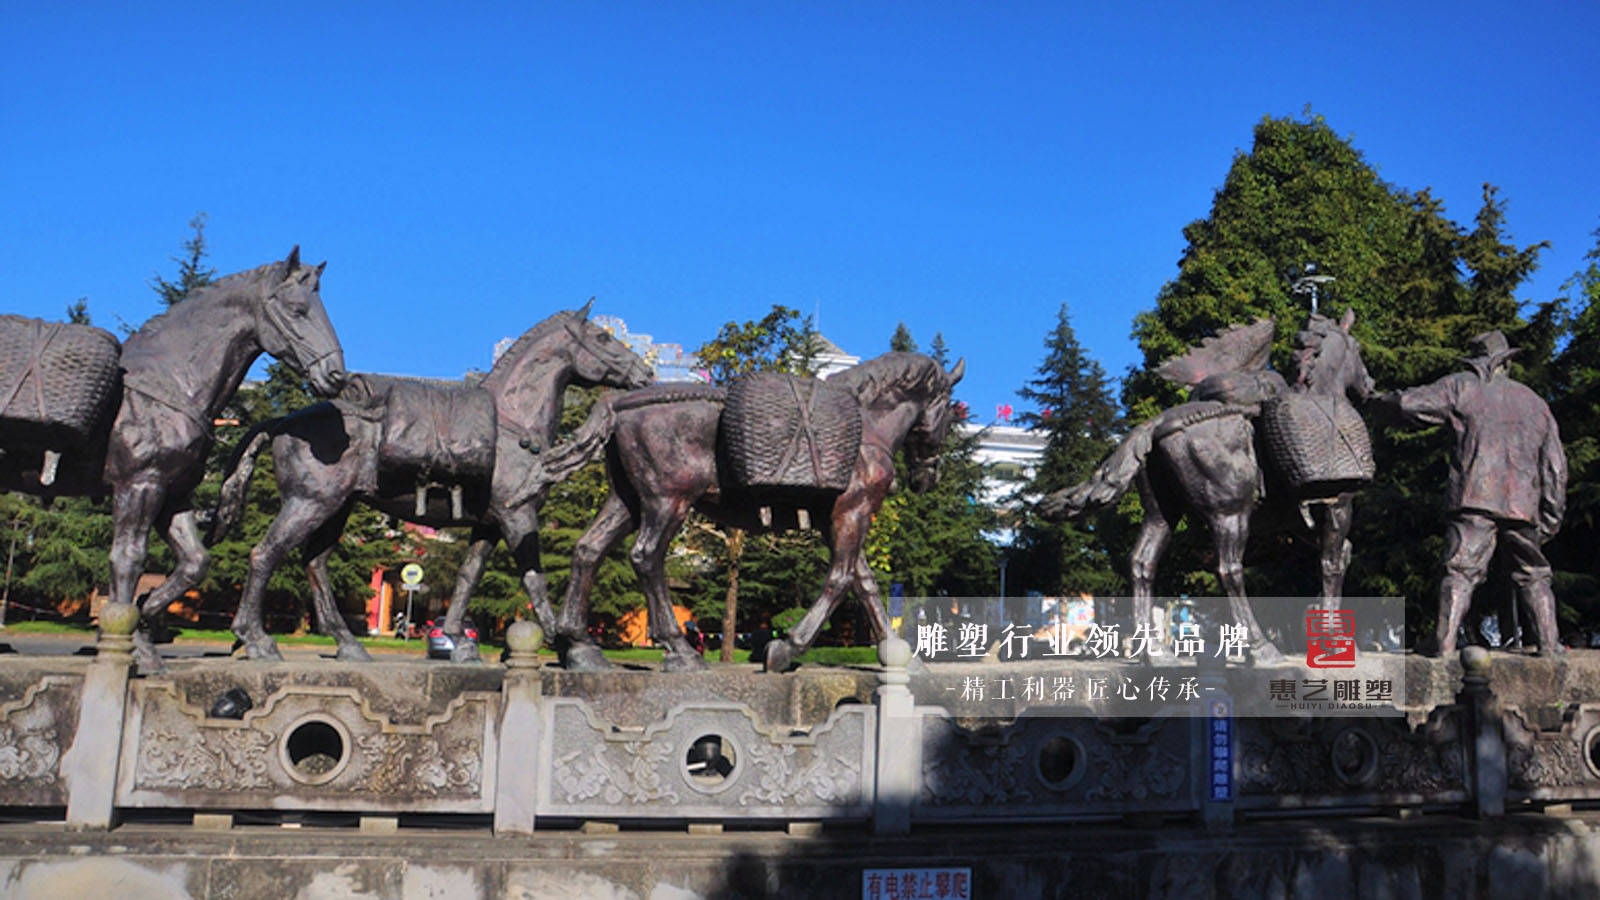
(584, 312)
(1348, 319)
(956, 373)
(293, 262)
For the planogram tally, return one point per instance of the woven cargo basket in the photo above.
(788, 432)
(57, 381)
(1314, 440)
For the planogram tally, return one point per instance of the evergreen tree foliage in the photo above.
(901, 340)
(193, 274)
(1574, 389)
(1072, 402)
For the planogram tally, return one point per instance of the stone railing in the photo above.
(81, 739)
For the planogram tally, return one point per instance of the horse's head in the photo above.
(925, 442)
(598, 358)
(292, 326)
(1328, 360)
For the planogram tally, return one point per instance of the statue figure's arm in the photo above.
(1552, 479)
(1430, 404)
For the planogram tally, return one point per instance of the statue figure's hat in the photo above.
(1489, 350)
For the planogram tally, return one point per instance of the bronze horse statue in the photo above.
(390, 442)
(178, 372)
(664, 457)
(1205, 457)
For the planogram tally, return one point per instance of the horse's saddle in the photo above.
(58, 383)
(435, 433)
(785, 434)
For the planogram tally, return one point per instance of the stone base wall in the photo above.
(1532, 856)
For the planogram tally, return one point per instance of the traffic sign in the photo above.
(411, 574)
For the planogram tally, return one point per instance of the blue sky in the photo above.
(965, 168)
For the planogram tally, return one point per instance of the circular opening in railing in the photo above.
(1354, 757)
(1591, 750)
(314, 750)
(709, 761)
(1060, 762)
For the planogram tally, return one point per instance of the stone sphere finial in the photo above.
(119, 619)
(1475, 660)
(524, 640)
(894, 652)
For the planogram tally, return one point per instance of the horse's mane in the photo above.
(513, 354)
(157, 322)
(916, 372)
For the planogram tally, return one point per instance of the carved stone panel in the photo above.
(1053, 767)
(38, 721)
(1326, 762)
(705, 760)
(1553, 753)
(308, 747)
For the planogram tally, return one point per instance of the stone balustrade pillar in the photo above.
(517, 777)
(89, 766)
(1485, 734)
(899, 741)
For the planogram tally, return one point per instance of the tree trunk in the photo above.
(730, 609)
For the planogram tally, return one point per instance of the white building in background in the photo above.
(830, 359)
(669, 360)
(1010, 455)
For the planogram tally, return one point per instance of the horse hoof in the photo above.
(683, 662)
(779, 657)
(148, 661)
(585, 658)
(465, 651)
(265, 650)
(353, 652)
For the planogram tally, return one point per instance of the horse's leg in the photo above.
(865, 586)
(520, 528)
(848, 532)
(134, 509)
(465, 649)
(1231, 531)
(298, 518)
(660, 519)
(1336, 519)
(330, 621)
(1154, 536)
(571, 632)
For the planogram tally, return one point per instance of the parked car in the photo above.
(440, 645)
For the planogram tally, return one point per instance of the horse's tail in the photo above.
(236, 478)
(560, 461)
(1111, 478)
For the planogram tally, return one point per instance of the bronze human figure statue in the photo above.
(435, 453)
(178, 371)
(666, 452)
(1508, 478)
(1204, 456)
